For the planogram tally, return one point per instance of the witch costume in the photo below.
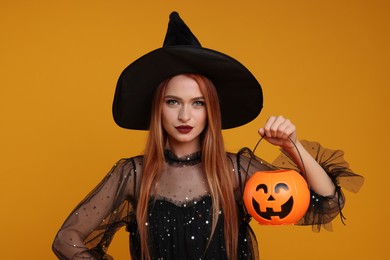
(180, 210)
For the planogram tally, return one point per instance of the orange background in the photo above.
(323, 64)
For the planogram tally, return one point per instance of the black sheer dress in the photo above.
(180, 214)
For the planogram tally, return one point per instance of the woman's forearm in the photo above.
(315, 175)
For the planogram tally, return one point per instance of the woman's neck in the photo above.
(183, 149)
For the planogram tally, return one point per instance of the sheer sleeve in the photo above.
(89, 229)
(323, 210)
(248, 164)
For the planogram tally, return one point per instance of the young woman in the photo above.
(183, 198)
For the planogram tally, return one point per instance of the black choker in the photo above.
(187, 160)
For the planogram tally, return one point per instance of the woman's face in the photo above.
(183, 113)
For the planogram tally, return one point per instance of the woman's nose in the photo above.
(184, 114)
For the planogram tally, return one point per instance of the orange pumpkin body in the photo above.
(278, 197)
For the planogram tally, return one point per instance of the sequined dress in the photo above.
(179, 212)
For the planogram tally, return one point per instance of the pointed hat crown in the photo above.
(178, 33)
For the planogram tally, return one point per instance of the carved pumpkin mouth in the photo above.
(286, 209)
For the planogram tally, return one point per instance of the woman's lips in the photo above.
(184, 129)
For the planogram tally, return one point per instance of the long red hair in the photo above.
(216, 167)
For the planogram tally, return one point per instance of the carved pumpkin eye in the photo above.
(281, 186)
(263, 187)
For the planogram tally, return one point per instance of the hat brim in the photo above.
(239, 92)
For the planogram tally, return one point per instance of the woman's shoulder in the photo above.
(136, 158)
(231, 155)
(126, 171)
(129, 163)
(244, 154)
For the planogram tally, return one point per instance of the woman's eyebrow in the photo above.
(197, 98)
(178, 98)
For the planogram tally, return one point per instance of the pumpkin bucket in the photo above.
(278, 197)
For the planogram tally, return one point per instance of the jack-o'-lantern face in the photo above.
(278, 203)
(276, 197)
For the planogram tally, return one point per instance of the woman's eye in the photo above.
(172, 102)
(199, 103)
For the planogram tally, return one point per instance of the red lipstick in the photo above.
(184, 129)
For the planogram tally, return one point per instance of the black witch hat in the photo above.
(239, 92)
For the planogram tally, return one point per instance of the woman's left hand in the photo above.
(278, 131)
